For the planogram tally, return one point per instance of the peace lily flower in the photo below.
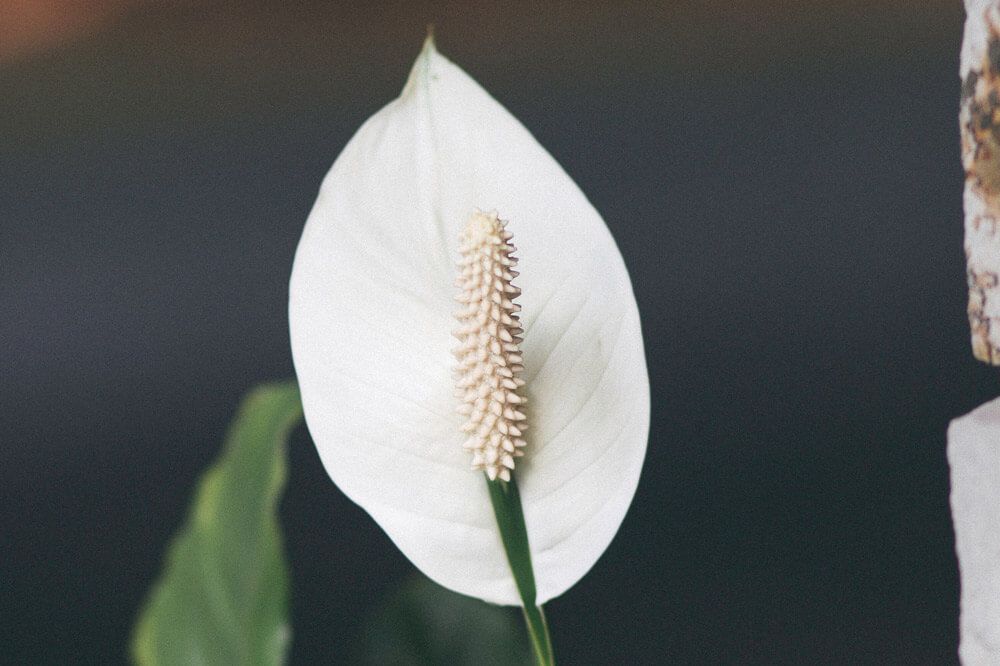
(432, 192)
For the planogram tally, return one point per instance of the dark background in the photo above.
(783, 181)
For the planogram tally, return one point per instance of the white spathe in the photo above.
(974, 458)
(372, 310)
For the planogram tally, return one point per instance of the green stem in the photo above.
(514, 535)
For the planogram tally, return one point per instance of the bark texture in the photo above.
(980, 127)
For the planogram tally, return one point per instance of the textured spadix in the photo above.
(489, 357)
(372, 312)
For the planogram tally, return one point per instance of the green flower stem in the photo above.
(510, 519)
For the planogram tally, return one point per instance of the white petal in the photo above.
(974, 458)
(371, 314)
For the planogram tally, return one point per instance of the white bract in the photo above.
(372, 311)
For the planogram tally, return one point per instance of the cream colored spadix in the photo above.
(489, 357)
(372, 301)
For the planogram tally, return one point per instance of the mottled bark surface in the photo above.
(980, 124)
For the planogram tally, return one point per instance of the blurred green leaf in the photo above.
(425, 624)
(223, 595)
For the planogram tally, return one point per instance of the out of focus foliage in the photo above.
(223, 595)
(427, 625)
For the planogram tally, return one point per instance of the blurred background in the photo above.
(783, 181)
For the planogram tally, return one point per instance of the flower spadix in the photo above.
(490, 363)
(372, 312)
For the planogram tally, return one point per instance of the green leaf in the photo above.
(427, 625)
(223, 595)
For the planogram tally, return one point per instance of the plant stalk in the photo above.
(514, 535)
